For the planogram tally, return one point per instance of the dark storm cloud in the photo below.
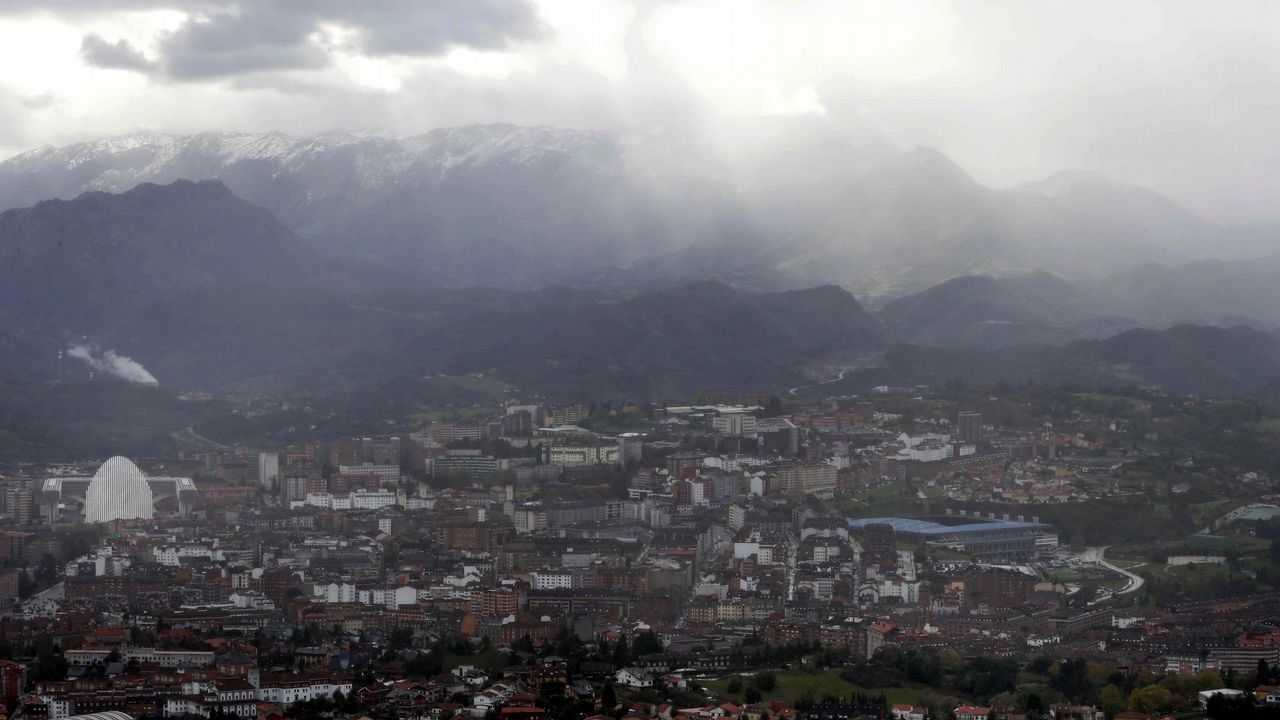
(231, 43)
(222, 39)
(275, 36)
(118, 55)
(412, 27)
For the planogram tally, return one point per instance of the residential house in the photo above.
(633, 677)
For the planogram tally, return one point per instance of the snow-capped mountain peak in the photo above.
(373, 159)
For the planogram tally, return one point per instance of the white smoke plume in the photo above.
(111, 362)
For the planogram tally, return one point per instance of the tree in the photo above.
(920, 555)
(752, 695)
(735, 685)
(1150, 699)
(1220, 707)
(620, 655)
(1072, 678)
(524, 644)
(950, 662)
(47, 569)
(984, 676)
(647, 643)
(1112, 700)
(766, 681)
(608, 698)
(923, 667)
(1263, 673)
(1215, 707)
(48, 666)
(773, 408)
(401, 638)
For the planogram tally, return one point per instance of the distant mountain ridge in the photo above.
(980, 310)
(1213, 361)
(1202, 292)
(568, 343)
(533, 206)
(117, 164)
(983, 310)
(209, 291)
(1095, 194)
(381, 274)
(478, 205)
(90, 257)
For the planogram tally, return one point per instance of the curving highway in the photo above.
(1098, 556)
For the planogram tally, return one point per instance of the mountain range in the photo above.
(980, 310)
(528, 207)
(87, 258)
(1183, 359)
(481, 205)
(363, 276)
(209, 291)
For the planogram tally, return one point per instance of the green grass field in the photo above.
(488, 386)
(1082, 574)
(1201, 572)
(793, 686)
(887, 493)
(1270, 426)
(1133, 405)
(1205, 513)
(887, 500)
(1249, 545)
(1066, 575)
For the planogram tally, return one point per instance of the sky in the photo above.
(1182, 97)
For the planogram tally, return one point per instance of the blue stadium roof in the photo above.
(920, 526)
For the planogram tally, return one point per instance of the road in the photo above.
(797, 388)
(44, 603)
(1098, 556)
(189, 435)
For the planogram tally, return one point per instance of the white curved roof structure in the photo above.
(108, 715)
(118, 491)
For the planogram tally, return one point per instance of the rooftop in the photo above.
(922, 526)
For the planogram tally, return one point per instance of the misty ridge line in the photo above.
(804, 203)
(274, 244)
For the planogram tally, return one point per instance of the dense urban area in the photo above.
(970, 553)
